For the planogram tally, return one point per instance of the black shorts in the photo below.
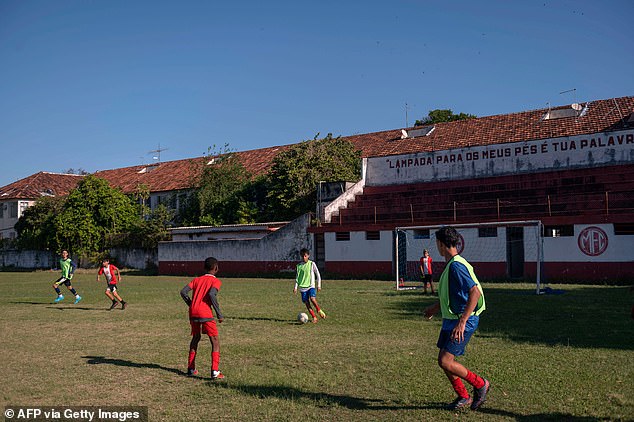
(112, 287)
(426, 279)
(63, 280)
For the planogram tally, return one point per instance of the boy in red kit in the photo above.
(109, 271)
(201, 317)
(425, 271)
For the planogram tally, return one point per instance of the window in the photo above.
(13, 210)
(373, 235)
(342, 236)
(23, 207)
(421, 234)
(487, 232)
(2, 206)
(624, 229)
(559, 231)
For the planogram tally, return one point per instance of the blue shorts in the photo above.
(308, 294)
(445, 342)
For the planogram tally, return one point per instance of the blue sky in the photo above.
(98, 84)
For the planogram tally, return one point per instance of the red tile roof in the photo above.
(515, 127)
(40, 184)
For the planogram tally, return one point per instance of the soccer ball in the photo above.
(302, 318)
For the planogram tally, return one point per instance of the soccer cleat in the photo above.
(480, 395)
(59, 299)
(315, 320)
(322, 314)
(77, 299)
(217, 375)
(459, 403)
(191, 372)
(124, 305)
(114, 305)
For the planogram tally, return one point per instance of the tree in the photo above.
(296, 172)
(218, 195)
(90, 211)
(36, 226)
(442, 115)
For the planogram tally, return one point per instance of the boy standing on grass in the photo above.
(201, 317)
(109, 271)
(307, 272)
(461, 301)
(68, 269)
(425, 271)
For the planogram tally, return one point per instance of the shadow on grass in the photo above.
(75, 308)
(540, 416)
(264, 319)
(583, 317)
(101, 360)
(321, 399)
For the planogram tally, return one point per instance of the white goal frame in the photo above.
(523, 223)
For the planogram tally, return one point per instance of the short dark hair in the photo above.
(210, 263)
(304, 251)
(448, 236)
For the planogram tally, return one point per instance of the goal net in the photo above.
(503, 250)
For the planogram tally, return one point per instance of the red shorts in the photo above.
(207, 327)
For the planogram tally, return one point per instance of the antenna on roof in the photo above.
(574, 94)
(406, 116)
(157, 152)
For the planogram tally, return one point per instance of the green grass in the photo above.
(568, 356)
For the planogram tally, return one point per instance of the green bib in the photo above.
(443, 290)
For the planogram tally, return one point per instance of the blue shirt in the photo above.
(460, 282)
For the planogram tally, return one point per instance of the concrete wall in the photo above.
(139, 259)
(593, 253)
(28, 259)
(276, 252)
(496, 160)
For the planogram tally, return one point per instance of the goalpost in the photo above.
(498, 250)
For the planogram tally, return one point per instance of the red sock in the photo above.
(317, 307)
(458, 387)
(215, 360)
(191, 362)
(474, 379)
(312, 313)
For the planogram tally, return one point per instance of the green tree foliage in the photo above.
(442, 115)
(90, 211)
(219, 198)
(36, 227)
(296, 172)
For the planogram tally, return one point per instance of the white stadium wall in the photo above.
(596, 149)
(594, 252)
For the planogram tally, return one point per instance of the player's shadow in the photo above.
(101, 360)
(320, 398)
(263, 319)
(75, 308)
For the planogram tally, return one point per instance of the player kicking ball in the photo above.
(307, 274)
(201, 317)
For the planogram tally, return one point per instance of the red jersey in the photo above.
(109, 272)
(201, 303)
(428, 266)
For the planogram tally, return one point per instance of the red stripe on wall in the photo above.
(226, 267)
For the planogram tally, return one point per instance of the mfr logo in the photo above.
(593, 241)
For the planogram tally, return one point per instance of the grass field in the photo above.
(550, 357)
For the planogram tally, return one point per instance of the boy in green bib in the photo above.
(461, 301)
